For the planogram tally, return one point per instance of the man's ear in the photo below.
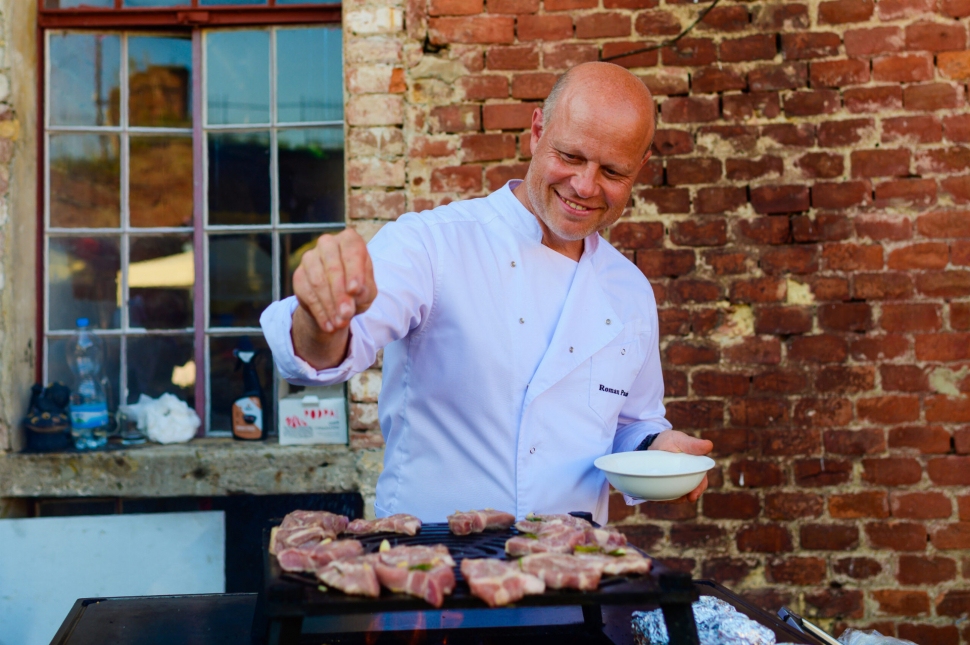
(536, 130)
(646, 157)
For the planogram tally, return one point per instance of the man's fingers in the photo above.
(353, 254)
(697, 446)
(369, 289)
(315, 294)
(695, 494)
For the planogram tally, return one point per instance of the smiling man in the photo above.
(518, 345)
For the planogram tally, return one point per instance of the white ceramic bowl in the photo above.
(654, 475)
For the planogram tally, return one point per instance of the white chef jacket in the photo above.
(502, 381)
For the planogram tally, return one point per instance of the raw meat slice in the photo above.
(551, 538)
(477, 521)
(331, 523)
(607, 539)
(499, 582)
(281, 539)
(560, 571)
(399, 523)
(355, 576)
(534, 523)
(422, 571)
(624, 564)
(310, 559)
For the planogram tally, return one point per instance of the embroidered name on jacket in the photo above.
(603, 388)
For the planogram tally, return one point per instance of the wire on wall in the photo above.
(666, 43)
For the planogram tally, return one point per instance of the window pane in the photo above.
(161, 275)
(292, 248)
(156, 3)
(58, 371)
(161, 364)
(240, 279)
(227, 383)
(160, 181)
(85, 78)
(311, 175)
(216, 3)
(71, 4)
(239, 181)
(237, 74)
(85, 282)
(309, 82)
(160, 80)
(85, 176)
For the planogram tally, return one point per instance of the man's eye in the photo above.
(568, 157)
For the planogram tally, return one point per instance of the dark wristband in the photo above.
(646, 442)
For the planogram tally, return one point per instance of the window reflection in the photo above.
(85, 78)
(239, 178)
(240, 279)
(162, 364)
(85, 180)
(309, 92)
(161, 277)
(237, 74)
(83, 274)
(160, 181)
(160, 81)
(58, 371)
(311, 181)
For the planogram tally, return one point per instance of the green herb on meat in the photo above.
(587, 549)
(617, 552)
(420, 567)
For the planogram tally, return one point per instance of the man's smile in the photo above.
(579, 208)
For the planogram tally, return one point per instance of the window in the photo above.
(185, 173)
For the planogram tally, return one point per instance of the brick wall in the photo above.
(804, 222)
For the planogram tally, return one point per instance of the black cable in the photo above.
(667, 43)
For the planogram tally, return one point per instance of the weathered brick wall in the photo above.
(804, 222)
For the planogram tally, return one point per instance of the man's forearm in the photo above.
(318, 348)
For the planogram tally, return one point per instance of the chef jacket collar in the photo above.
(519, 217)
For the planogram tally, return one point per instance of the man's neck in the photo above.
(572, 249)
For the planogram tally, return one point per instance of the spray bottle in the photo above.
(247, 411)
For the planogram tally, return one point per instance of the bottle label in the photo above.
(89, 415)
(247, 418)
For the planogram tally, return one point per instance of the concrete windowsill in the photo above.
(202, 467)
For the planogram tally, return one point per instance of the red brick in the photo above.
(655, 264)
(782, 320)
(637, 235)
(741, 107)
(696, 535)
(726, 19)
(757, 47)
(854, 442)
(652, 174)
(914, 192)
(643, 59)
(726, 570)
(936, 37)
(893, 471)
(683, 291)
(513, 6)
(946, 224)
(512, 58)
(675, 383)
(758, 412)
(508, 116)
(959, 189)
(747, 169)
(881, 286)
(731, 506)
(629, 4)
(710, 383)
(897, 536)
(603, 24)
(855, 505)
(719, 199)
(657, 23)
(709, 80)
(797, 571)
(837, 73)
(829, 288)
(933, 96)
(828, 537)
(955, 603)
(788, 134)
(949, 471)
(960, 316)
(896, 9)
(754, 351)
(568, 5)
(786, 76)
(498, 176)
(727, 263)
(955, 8)
(930, 634)
(920, 506)
(690, 354)
(764, 538)
(916, 317)
(852, 257)
(820, 165)
(954, 65)
(889, 409)
(823, 412)
(957, 127)
(674, 322)
(963, 505)
(791, 506)
(747, 473)
(697, 170)
(455, 7)
(903, 68)
(566, 55)
(952, 536)
(483, 29)
(675, 512)
(695, 414)
(758, 290)
(666, 200)
(873, 99)
(874, 40)
(487, 147)
(545, 27)
(689, 52)
(784, 17)
(644, 536)
(884, 227)
(780, 199)
(880, 163)
(943, 160)
(667, 81)
(943, 347)
(858, 568)
(926, 439)
(844, 133)
(944, 284)
(874, 347)
(845, 378)
(810, 45)
(460, 179)
(479, 88)
(812, 103)
(672, 142)
(787, 442)
(532, 86)
(898, 602)
(903, 378)
(853, 316)
(456, 118)
(689, 109)
(840, 12)
(818, 349)
(766, 230)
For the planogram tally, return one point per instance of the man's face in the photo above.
(583, 167)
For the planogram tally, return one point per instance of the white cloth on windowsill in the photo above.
(167, 419)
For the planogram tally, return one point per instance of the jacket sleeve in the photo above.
(404, 258)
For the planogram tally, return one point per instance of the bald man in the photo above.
(519, 346)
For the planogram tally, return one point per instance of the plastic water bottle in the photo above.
(89, 403)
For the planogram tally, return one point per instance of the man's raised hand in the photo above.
(676, 441)
(334, 283)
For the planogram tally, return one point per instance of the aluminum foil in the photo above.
(718, 623)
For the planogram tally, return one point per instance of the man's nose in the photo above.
(584, 181)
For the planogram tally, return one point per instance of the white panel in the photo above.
(48, 563)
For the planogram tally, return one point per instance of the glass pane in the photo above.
(311, 175)
(161, 364)
(85, 176)
(85, 282)
(85, 77)
(156, 3)
(227, 383)
(159, 80)
(239, 189)
(292, 248)
(59, 372)
(309, 92)
(240, 279)
(216, 3)
(160, 181)
(161, 276)
(71, 4)
(237, 73)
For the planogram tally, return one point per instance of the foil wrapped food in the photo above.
(718, 623)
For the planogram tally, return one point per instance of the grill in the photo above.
(290, 598)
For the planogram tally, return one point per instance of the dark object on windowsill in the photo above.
(47, 425)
